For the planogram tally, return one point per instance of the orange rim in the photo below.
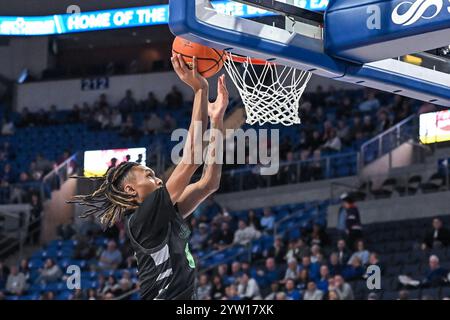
(242, 59)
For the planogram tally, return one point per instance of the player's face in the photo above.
(143, 183)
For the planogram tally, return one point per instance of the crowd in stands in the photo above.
(316, 265)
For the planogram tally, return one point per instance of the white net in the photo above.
(270, 93)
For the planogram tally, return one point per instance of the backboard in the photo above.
(355, 41)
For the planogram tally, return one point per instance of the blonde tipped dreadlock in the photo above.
(109, 203)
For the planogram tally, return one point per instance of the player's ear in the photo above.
(128, 188)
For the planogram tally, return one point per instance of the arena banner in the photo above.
(371, 30)
(120, 18)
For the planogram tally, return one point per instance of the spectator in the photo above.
(435, 275)
(268, 220)
(361, 253)
(66, 230)
(403, 295)
(318, 236)
(342, 288)
(50, 273)
(128, 103)
(89, 227)
(200, 237)
(111, 286)
(253, 220)
(223, 237)
(169, 123)
(322, 283)
(333, 295)
(274, 289)
(373, 296)
(297, 249)
(115, 121)
(42, 164)
(370, 104)
(438, 236)
(352, 222)
(85, 247)
(292, 271)
(312, 293)
(34, 225)
(313, 268)
(232, 293)
(333, 143)
(4, 272)
(316, 141)
(315, 253)
(111, 257)
(236, 272)
(92, 295)
(248, 288)
(383, 122)
(218, 289)
(204, 288)
(367, 127)
(152, 124)
(288, 172)
(303, 279)
(7, 175)
(316, 166)
(277, 251)
(151, 102)
(342, 252)
(25, 269)
(291, 292)
(281, 296)
(334, 266)
(174, 98)
(128, 129)
(49, 295)
(353, 271)
(343, 132)
(270, 273)
(16, 283)
(245, 234)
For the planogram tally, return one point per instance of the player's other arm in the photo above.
(210, 181)
(183, 172)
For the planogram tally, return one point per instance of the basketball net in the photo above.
(270, 94)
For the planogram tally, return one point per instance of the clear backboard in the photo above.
(380, 44)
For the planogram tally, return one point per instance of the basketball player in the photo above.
(155, 212)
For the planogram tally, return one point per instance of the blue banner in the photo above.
(122, 18)
(370, 30)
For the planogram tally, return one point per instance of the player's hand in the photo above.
(216, 110)
(189, 76)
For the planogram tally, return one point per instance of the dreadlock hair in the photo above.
(109, 202)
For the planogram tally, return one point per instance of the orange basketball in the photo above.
(209, 60)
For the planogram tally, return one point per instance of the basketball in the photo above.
(210, 61)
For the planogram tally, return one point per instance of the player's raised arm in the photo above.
(210, 181)
(183, 172)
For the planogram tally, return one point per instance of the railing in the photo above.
(327, 167)
(387, 141)
(16, 237)
(55, 178)
(371, 185)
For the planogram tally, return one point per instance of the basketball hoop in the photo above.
(270, 95)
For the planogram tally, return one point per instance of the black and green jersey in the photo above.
(159, 236)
